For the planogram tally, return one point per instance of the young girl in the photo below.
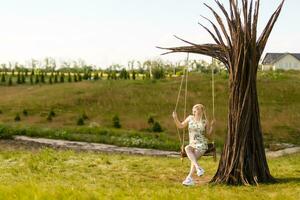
(197, 140)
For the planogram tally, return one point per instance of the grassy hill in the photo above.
(135, 100)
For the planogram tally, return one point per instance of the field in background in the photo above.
(135, 100)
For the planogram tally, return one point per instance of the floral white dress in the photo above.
(197, 138)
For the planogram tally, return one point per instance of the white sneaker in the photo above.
(188, 182)
(200, 171)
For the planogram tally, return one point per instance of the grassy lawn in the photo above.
(50, 174)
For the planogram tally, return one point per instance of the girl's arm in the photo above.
(178, 123)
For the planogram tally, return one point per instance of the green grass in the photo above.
(50, 174)
(134, 101)
(119, 137)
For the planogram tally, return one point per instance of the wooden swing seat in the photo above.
(211, 151)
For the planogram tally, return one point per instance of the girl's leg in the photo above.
(192, 170)
(189, 151)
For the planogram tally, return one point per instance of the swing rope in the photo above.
(213, 96)
(185, 78)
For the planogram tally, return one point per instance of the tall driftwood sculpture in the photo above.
(243, 159)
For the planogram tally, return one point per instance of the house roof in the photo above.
(271, 58)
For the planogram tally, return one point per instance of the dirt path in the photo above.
(96, 147)
(34, 143)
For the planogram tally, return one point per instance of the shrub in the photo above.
(150, 120)
(3, 78)
(55, 78)
(50, 80)
(1, 112)
(25, 112)
(19, 78)
(75, 78)
(10, 81)
(69, 77)
(51, 113)
(62, 77)
(158, 73)
(80, 121)
(79, 78)
(116, 121)
(37, 80)
(156, 127)
(96, 76)
(124, 74)
(133, 75)
(17, 117)
(43, 78)
(23, 78)
(31, 79)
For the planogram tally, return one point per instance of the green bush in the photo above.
(133, 75)
(150, 120)
(55, 78)
(17, 117)
(31, 79)
(51, 113)
(156, 127)
(80, 121)
(50, 80)
(69, 77)
(25, 112)
(116, 121)
(10, 81)
(3, 78)
(158, 72)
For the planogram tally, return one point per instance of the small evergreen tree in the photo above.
(55, 78)
(62, 77)
(79, 77)
(10, 80)
(31, 79)
(96, 76)
(69, 77)
(19, 78)
(116, 121)
(150, 120)
(3, 78)
(42, 78)
(37, 79)
(80, 121)
(156, 127)
(25, 112)
(50, 80)
(75, 78)
(23, 78)
(133, 75)
(17, 117)
(52, 113)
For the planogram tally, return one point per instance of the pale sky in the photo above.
(105, 32)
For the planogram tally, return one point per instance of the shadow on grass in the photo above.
(288, 180)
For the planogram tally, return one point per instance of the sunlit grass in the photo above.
(50, 174)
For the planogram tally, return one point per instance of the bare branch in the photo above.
(262, 41)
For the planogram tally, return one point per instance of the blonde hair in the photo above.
(200, 106)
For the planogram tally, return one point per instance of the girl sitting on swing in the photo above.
(198, 141)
